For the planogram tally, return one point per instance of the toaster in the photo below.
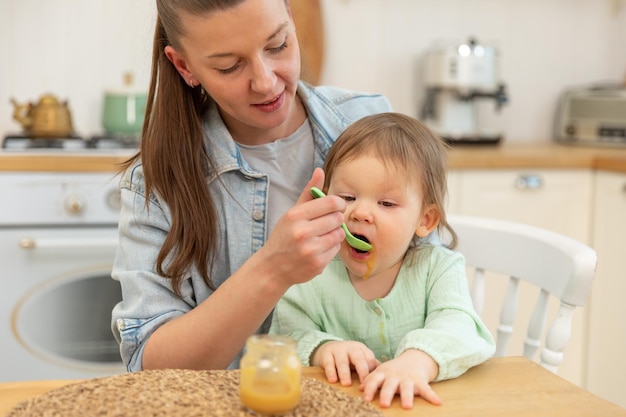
(592, 116)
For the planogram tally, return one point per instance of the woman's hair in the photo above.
(172, 151)
(405, 144)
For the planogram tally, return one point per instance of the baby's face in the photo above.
(383, 207)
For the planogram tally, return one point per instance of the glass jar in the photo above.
(270, 375)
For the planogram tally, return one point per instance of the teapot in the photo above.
(49, 118)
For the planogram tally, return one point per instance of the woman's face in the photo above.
(382, 206)
(248, 60)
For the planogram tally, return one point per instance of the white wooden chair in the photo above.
(558, 265)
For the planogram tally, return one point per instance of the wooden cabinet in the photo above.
(606, 366)
(559, 200)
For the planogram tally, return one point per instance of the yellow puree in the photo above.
(371, 261)
(271, 392)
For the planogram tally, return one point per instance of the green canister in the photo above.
(124, 110)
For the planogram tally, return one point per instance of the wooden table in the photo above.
(511, 386)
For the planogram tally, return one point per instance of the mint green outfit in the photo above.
(429, 308)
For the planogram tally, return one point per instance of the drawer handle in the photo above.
(528, 182)
(67, 243)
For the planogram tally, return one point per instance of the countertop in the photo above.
(541, 155)
(59, 161)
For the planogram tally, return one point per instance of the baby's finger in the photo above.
(344, 372)
(370, 385)
(427, 393)
(388, 391)
(361, 368)
(407, 394)
(330, 369)
(364, 364)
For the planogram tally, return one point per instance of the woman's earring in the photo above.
(190, 83)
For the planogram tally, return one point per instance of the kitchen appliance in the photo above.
(78, 144)
(58, 236)
(457, 76)
(594, 115)
(48, 118)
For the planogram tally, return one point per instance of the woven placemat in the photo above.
(180, 393)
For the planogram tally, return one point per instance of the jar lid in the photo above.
(127, 89)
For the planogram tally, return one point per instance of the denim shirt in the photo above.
(240, 196)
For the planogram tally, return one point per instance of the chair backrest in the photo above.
(558, 265)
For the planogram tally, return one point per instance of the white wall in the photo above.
(78, 48)
(545, 46)
(74, 49)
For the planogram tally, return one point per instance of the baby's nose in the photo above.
(361, 211)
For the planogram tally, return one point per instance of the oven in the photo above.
(58, 235)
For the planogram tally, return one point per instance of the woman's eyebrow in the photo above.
(269, 38)
(280, 29)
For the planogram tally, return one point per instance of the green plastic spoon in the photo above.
(355, 242)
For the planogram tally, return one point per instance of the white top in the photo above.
(287, 163)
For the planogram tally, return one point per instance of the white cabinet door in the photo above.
(606, 370)
(453, 205)
(559, 200)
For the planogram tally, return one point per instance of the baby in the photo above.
(399, 315)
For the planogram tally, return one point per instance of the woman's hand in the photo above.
(307, 236)
(338, 358)
(408, 375)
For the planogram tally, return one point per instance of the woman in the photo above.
(217, 221)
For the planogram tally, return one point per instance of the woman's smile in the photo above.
(272, 105)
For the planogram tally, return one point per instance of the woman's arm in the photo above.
(212, 334)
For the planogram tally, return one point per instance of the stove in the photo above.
(24, 143)
(58, 236)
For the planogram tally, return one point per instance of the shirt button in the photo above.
(120, 325)
(378, 311)
(257, 215)
(384, 358)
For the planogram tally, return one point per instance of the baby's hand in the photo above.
(408, 375)
(338, 358)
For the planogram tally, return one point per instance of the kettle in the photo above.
(49, 118)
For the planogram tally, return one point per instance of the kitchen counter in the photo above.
(505, 156)
(59, 161)
(543, 155)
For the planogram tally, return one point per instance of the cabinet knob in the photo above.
(528, 182)
(74, 204)
(114, 199)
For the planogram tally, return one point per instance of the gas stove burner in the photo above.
(72, 143)
(23, 142)
(114, 142)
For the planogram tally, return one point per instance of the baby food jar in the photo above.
(270, 375)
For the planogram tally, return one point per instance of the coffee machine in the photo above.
(457, 77)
